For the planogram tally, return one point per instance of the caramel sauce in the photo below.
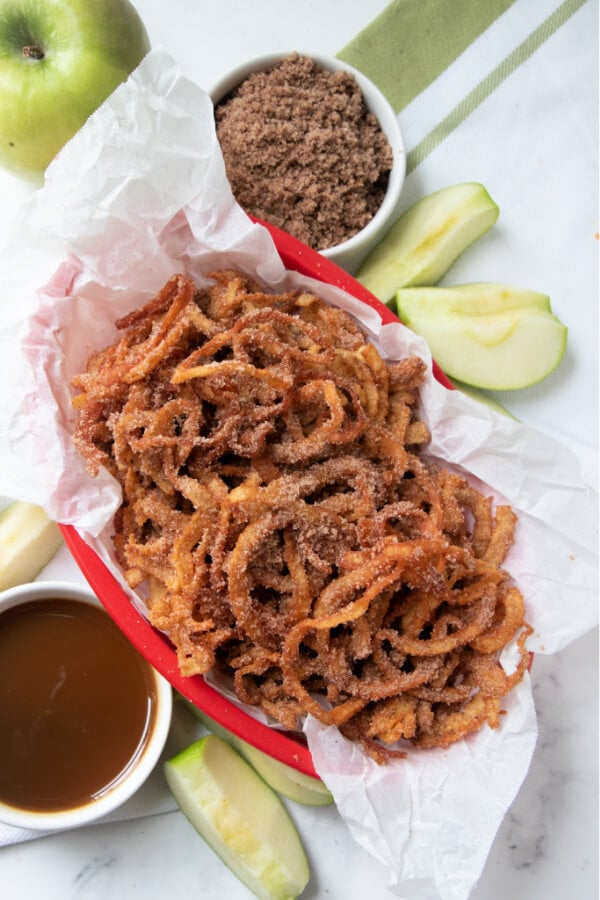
(76, 704)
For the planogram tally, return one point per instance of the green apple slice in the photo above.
(239, 817)
(480, 397)
(424, 242)
(477, 298)
(284, 779)
(28, 541)
(287, 781)
(500, 351)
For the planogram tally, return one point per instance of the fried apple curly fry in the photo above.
(291, 533)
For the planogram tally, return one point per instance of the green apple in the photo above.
(287, 781)
(476, 298)
(423, 243)
(59, 60)
(484, 399)
(284, 779)
(501, 350)
(28, 541)
(239, 817)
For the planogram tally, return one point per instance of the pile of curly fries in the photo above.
(290, 534)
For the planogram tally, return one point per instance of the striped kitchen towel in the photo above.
(506, 93)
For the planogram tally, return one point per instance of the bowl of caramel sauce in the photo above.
(83, 716)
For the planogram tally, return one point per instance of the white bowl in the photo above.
(352, 252)
(140, 768)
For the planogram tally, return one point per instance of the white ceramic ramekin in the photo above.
(139, 769)
(349, 254)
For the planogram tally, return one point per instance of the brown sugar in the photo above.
(302, 151)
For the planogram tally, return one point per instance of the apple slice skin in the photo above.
(294, 785)
(476, 298)
(426, 240)
(480, 397)
(502, 351)
(291, 784)
(239, 817)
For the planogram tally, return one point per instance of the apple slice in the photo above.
(286, 781)
(424, 242)
(484, 399)
(500, 351)
(28, 541)
(476, 298)
(239, 817)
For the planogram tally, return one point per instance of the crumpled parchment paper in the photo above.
(140, 193)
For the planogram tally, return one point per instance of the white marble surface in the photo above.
(547, 846)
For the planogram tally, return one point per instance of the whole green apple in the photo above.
(59, 60)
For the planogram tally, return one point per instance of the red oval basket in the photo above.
(155, 646)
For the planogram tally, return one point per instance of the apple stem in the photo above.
(33, 52)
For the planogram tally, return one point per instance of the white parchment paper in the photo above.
(140, 193)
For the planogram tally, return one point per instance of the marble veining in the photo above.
(93, 871)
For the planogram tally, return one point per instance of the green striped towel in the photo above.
(506, 92)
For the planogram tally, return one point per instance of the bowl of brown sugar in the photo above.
(313, 147)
